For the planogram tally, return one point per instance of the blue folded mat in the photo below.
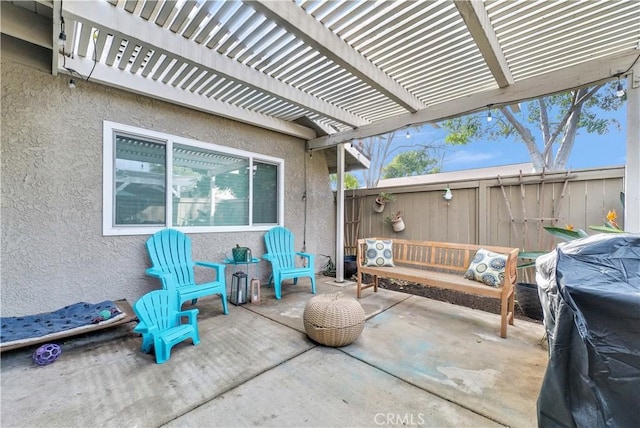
(67, 318)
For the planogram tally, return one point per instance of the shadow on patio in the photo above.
(418, 362)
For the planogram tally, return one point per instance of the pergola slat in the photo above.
(352, 64)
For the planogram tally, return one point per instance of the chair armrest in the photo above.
(307, 256)
(219, 268)
(152, 329)
(166, 279)
(192, 314)
(141, 328)
(157, 273)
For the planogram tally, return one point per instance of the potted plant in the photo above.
(381, 201)
(527, 293)
(397, 223)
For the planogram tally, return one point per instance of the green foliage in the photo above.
(385, 197)
(566, 234)
(414, 162)
(558, 109)
(350, 180)
(393, 217)
(607, 228)
(463, 130)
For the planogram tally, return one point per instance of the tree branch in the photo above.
(579, 97)
(544, 119)
(568, 140)
(527, 138)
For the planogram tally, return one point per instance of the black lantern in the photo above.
(239, 288)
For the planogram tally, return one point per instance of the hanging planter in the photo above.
(396, 221)
(381, 201)
(398, 225)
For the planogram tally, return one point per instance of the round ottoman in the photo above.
(333, 319)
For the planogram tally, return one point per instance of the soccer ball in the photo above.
(47, 354)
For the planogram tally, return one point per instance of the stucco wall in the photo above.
(53, 251)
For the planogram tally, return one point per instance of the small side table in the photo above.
(242, 270)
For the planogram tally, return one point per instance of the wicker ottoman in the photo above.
(333, 319)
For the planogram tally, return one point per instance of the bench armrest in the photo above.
(511, 268)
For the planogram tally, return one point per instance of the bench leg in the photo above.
(361, 286)
(507, 308)
(512, 306)
(503, 320)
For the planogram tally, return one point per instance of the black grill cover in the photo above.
(593, 375)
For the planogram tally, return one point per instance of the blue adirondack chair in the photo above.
(170, 254)
(160, 323)
(282, 256)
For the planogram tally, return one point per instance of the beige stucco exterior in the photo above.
(53, 250)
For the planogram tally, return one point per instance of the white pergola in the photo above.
(332, 71)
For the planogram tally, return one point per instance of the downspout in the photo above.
(340, 213)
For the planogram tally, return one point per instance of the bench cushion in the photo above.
(487, 267)
(379, 253)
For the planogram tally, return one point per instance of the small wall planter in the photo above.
(396, 221)
(381, 201)
(378, 206)
(398, 225)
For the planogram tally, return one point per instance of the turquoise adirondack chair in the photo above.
(282, 256)
(170, 254)
(160, 323)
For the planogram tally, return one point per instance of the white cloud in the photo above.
(469, 157)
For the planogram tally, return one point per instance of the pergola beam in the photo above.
(477, 20)
(585, 74)
(18, 22)
(121, 79)
(120, 22)
(313, 33)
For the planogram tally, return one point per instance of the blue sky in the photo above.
(590, 150)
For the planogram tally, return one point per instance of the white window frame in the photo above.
(108, 195)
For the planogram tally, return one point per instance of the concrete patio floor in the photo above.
(418, 362)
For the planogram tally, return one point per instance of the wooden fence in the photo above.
(507, 211)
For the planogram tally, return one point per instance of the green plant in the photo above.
(569, 233)
(393, 217)
(384, 197)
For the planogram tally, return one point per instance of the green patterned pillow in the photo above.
(487, 267)
(379, 253)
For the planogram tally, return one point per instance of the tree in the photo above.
(376, 149)
(414, 162)
(379, 148)
(350, 180)
(557, 117)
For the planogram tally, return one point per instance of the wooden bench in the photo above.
(442, 265)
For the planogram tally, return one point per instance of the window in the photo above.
(209, 188)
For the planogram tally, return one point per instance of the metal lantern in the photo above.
(239, 288)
